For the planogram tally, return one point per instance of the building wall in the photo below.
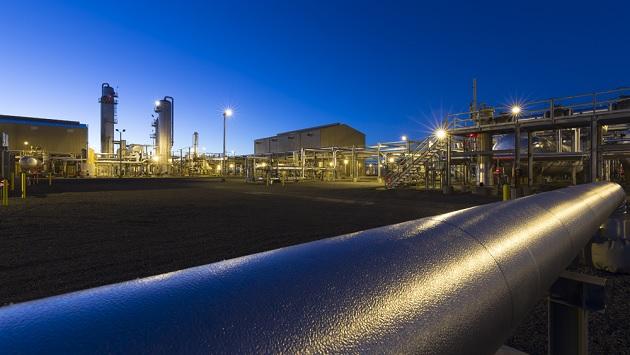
(338, 135)
(53, 136)
(311, 138)
(341, 136)
(261, 146)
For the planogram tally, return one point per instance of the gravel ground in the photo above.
(79, 234)
(609, 331)
(85, 233)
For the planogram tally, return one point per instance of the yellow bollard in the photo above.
(49, 179)
(23, 185)
(506, 192)
(5, 192)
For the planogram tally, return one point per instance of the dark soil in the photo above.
(79, 234)
(85, 233)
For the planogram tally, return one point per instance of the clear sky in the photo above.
(387, 68)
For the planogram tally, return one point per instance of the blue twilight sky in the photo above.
(385, 67)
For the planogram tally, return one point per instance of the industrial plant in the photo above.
(501, 257)
(561, 141)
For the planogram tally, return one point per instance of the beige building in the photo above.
(52, 136)
(332, 135)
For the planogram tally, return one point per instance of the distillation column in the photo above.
(195, 144)
(164, 131)
(108, 102)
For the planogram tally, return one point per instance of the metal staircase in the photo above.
(412, 167)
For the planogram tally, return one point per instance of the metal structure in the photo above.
(577, 139)
(457, 283)
(566, 141)
(109, 101)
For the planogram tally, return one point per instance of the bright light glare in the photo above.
(156, 158)
(345, 162)
(391, 159)
(404, 138)
(516, 110)
(25, 142)
(228, 112)
(440, 133)
(157, 103)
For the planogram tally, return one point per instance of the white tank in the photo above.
(28, 163)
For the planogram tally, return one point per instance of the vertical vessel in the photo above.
(164, 130)
(108, 100)
(195, 144)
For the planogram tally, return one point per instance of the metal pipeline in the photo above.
(451, 284)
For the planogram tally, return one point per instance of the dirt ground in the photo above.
(84, 233)
(79, 234)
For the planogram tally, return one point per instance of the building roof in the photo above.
(40, 121)
(317, 128)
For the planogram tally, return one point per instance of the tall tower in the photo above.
(108, 100)
(195, 144)
(165, 109)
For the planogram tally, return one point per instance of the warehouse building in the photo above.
(331, 135)
(52, 136)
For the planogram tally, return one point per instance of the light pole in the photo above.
(120, 150)
(228, 112)
(516, 167)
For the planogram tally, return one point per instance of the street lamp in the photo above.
(440, 133)
(120, 153)
(228, 112)
(516, 110)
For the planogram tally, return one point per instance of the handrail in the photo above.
(537, 109)
(420, 153)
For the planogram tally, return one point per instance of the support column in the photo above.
(594, 157)
(447, 171)
(517, 156)
(484, 144)
(530, 160)
(577, 143)
(303, 157)
(354, 165)
(378, 162)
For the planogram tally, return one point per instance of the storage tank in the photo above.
(108, 102)
(164, 129)
(29, 163)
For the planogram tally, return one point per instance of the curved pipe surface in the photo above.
(451, 284)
